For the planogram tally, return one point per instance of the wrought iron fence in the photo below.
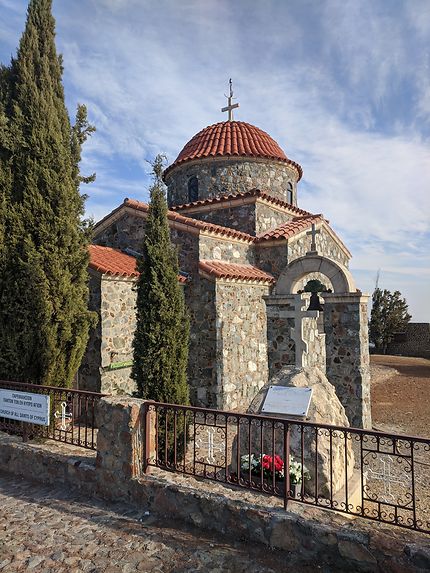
(364, 473)
(72, 415)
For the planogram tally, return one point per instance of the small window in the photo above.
(193, 189)
(290, 193)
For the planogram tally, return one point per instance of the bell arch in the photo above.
(339, 277)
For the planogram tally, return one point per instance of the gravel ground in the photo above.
(400, 394)
(55, 531)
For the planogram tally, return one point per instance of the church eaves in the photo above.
(234, 271)
(108, 261)
(233, 198)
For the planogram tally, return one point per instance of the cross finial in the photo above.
(230, 107)
(313, 234)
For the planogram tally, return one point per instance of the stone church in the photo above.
(246, 252)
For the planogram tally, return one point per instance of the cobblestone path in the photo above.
(55, 531)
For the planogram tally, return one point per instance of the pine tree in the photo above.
(389, 315)
(161, 337)
(44, 320)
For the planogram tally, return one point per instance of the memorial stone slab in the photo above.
(287, 401)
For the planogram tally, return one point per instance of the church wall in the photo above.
(118, 322)
(241, 343)
(267, 218)
(240, 217)
(347, 354)
(273, 259)
(326, 247)
(89, 371)
(226, 176)
(226, 250)
(127, 231)
(202, 372)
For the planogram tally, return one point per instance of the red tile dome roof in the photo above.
(231, 139)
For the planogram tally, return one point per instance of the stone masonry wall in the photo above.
(226, 250)
(415, 342)
(326, 247)
(234, 175)
(273, 259)
(127, 231)
(202, 371)
(240, 217)
(252, 218)
(241, 343)
(267, 218)
(118, 322)
(347, 346)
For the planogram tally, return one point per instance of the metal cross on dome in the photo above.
(230, 107)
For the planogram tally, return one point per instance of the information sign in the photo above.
(24, 406)
(288, 401)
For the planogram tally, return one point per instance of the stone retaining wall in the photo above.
(307, 535)
(415, 341)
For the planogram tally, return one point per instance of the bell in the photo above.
(314, 303)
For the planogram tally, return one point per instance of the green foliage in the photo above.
(44, 320)
(389, 315)
(162, 327)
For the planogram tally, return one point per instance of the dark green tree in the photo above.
(44, 319)
(160, 346)
(389, 315)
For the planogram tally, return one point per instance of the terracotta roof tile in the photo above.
(232, 138)
(257, 193)
(287, 230)
(114, 262)
(221, 269)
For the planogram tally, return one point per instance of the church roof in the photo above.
(290, 228)
(110, 261)
(232, 139)
(232, 197)
(221, 269)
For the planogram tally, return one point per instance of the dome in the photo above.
(231, 139)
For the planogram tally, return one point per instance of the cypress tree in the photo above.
(44, 320)
(161, 337)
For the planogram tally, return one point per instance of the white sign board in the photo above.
(24, 406)
(286, 400)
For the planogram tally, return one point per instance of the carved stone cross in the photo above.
(230, 107)
(313, 233)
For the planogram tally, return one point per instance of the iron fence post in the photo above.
(286, 464)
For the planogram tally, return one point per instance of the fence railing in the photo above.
(365, 473)
(72, 415)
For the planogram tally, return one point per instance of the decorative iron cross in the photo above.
(230, 107)
(388, 478)
(63, 415)
(313, 232)
(211, 445)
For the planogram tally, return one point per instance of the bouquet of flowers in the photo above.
(273, 463)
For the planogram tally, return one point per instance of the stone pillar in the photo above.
(347, 346)
(120, 438)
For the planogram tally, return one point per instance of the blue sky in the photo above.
(342, 85)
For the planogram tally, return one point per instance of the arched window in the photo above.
(290, 193)
(193, 189)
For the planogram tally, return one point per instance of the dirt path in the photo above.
(401, 394)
